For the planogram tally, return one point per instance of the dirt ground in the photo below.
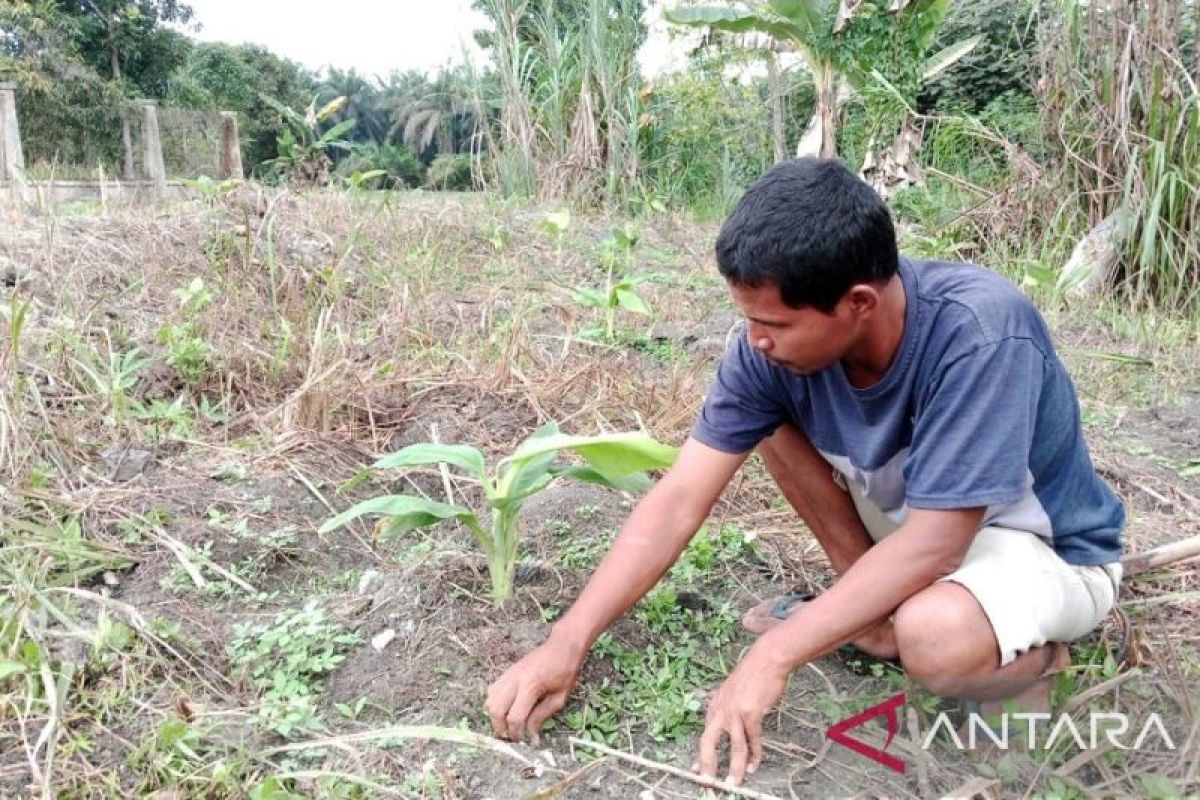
(449, 318)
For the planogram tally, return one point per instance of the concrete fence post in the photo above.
(231, 147)
(152, 157)
(12, 157)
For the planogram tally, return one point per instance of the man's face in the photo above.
(802, 340)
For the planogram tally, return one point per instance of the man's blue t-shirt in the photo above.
(975, 410)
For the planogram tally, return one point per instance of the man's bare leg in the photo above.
(947, 644)
(806, 480)
(941, 634)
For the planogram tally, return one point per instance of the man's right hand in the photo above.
(533, 689)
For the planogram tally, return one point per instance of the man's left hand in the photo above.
(737, 711)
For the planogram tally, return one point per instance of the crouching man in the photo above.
(918, 420)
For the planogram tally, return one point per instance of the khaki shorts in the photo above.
(1029, 594)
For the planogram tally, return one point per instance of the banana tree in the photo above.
(303, 146)
(615, 460)
(840, 41)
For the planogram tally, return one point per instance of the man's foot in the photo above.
(766, 615)
(878, 645)
(1035, 699)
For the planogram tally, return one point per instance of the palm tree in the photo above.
(442, 116)
(362, 102)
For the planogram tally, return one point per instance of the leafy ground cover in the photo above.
(191, 391)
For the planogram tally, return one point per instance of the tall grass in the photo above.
(569, 99)
(1123, 113)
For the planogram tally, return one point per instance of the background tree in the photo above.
(224, 77)
(443, 117)
(61, 95)
(118, 34)
(362, 102)
(1003, 61)
(842, 43)
(570, 96)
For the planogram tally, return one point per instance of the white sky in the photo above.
(373, 36)
(378, 36)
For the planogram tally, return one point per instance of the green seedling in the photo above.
(356, 180)
(615, 460)
(618, 292)
(556, 223)
(112, 378)
(209, 189)
(188, 353)
(17, 314)
(287, 659)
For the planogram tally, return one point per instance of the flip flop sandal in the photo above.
(778, 609)
(855, 660)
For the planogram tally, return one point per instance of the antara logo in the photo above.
(837, 732)
(1111, 727)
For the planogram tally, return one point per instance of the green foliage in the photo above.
(69, 113)
(1002, 63)
(657, 685)
(111, 377)
(451, 171)
(188, 352)
(615, 460)
(618, 292)
(569, 97)
(438, 116)
(130, 37)
(1127, 132)
(400, 168)
(287, 660)
(704, 138)
(881, 54)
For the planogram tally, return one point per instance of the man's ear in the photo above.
(862, 299)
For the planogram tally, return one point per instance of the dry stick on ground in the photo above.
(694, 777)
(402, 732)
(969, 789)
(443, 469)
(914, 731)
(1080, 700)
(1082, 758)
(312, 489)
(1161, 556)
(556, 790)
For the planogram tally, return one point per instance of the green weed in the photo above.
(659, 684)
(286, 660)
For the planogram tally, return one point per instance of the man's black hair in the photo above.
(812, 228)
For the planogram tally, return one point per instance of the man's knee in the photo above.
(944, 637)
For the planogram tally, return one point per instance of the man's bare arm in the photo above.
(649, 542)
(929, 545)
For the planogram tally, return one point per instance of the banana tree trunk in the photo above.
(895, 167)
(775, 90)
(820, 136)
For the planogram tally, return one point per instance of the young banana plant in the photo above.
(616, 460)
